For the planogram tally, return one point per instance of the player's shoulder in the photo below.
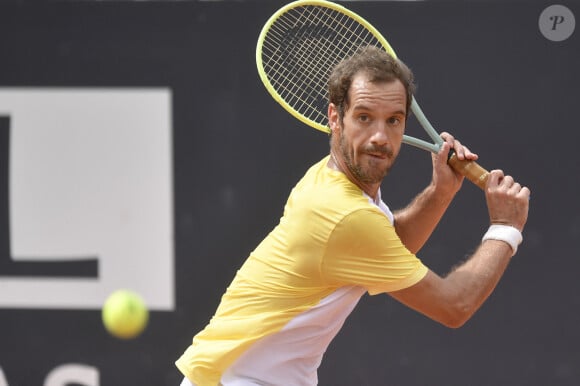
(322, 187)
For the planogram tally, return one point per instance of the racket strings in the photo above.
(301, 48)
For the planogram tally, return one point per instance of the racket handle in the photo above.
(470, 169)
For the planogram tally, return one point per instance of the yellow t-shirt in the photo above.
(295, 290)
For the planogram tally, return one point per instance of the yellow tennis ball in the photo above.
(125, 314)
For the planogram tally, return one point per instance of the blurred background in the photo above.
(139, 149)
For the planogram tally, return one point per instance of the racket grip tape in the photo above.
(470, 169)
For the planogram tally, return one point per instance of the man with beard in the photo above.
(337, 240)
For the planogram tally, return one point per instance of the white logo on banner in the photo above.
(557, 23)
(90, 175)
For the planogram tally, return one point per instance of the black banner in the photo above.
(497, 75)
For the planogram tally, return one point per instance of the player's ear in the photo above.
(333, 117)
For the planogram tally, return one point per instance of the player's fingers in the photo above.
(447, 138)
(459, 149)
(519, 191)
(444, 151)
(515, 188)
(468, 154)
(454, 144)
(495, 177)
(442, 155)
(462, 151)
(507, 182)
(525, 192)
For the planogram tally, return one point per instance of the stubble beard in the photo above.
(368, 174)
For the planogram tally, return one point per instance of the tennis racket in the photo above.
(299, 46)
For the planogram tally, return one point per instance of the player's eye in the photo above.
(394, 121)
(363, 118)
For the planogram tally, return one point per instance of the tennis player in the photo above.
(337, 240)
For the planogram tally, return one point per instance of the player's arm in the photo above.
(415, 223)
(452, 300)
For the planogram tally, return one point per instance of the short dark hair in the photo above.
(380, 67)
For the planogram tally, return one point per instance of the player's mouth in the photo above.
(380, 155)
(378, 151)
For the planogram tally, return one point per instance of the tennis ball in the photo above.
(125, 314)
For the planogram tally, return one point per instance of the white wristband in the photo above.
(505, 233)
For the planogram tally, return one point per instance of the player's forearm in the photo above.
(415, 223)
(472, 282)
(452, 300)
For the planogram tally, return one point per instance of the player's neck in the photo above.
(338, 164)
